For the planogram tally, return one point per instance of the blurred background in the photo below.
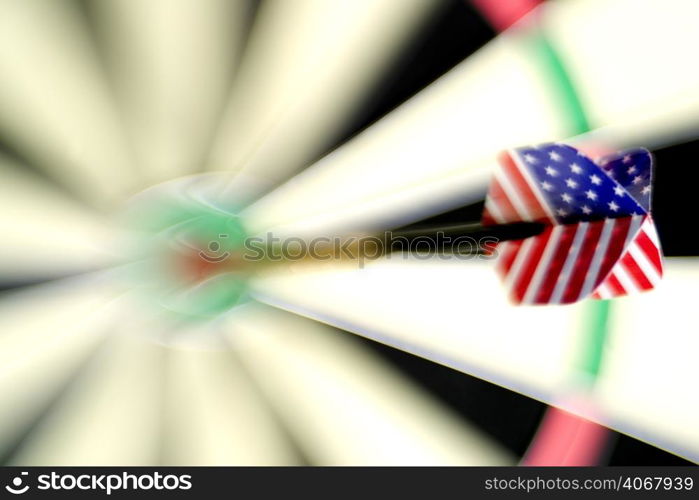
(318, 117)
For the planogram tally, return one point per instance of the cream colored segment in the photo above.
(344, 405)
(650, 367)
(307, 67)
(172, 63)
(45, 232)
(55, 104)
(46, 334)
(453, 312)
(111, 416)
(608, 50)
(214, 415)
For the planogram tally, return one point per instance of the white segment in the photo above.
(650, 367)
(45, 233)
(308, 65)
(47, 333)
(620, 93)
(345, 405)
(56, 106)
(115, 398)
(214, 415)
(171, 62)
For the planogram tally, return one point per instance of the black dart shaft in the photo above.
(448, 237)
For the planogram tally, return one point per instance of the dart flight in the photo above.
(599, 241)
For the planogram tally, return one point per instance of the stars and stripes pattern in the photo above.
(639, 269)
(599, 241)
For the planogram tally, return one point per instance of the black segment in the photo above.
(676, 179)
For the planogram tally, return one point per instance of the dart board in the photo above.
(146, 146)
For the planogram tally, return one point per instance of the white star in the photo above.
(637, 179)
(586, 210)
(554, 156)
(551, 171)
(595, 180)
(571, 183)
(575, 168)
(546, 186)
(626, 159)
(561, 212)
(591, 195)
(631, 170)
(618, 190)
(566, 197)
(613, 206)
(530, 158)
(646, 189)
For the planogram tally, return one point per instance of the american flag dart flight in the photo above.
(600, 240)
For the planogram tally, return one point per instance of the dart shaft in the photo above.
(452, 236)
(462, 239)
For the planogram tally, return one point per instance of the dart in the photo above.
(203, 242)
(600, 239)
(565, 228)
(560, 226)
